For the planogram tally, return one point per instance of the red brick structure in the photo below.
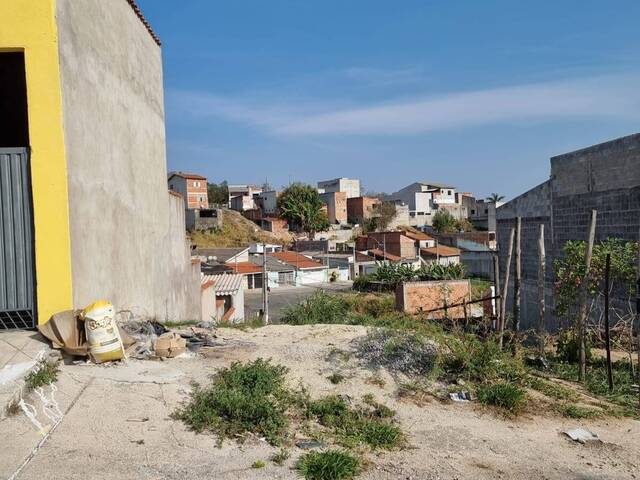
(192, 187)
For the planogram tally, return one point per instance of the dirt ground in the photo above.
(117, 424)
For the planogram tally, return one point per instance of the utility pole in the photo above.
(518, 277)
(265, 284)
(384, 247)
(582, 314)
(355, 262)
(542, 271)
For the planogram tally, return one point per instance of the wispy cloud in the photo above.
(612, 96)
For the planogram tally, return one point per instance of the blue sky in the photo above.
(475, 93)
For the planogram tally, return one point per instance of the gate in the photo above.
(17, 286)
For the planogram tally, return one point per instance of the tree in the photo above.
(218, 193)
(382, 216)
(495, 198)
(301, 205)
(444, 222)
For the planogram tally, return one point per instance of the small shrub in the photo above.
(398, 351)
(280, 457)
(318, 308)
(328, 465)
(258, 464)
(551, 389)
(335, 378)
(353, 426)
(376, 380)
(568, 348)
(13, 408)
(503, 395)
(481, 361)
(245, 398)
(45, 374)
(571, 410)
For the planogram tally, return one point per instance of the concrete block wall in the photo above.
(605, 177)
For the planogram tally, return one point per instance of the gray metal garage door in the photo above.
(16, 241)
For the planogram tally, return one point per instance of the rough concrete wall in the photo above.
(534, 206)
(127, 233)
(604, 177)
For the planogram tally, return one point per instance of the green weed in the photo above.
(258, 464)
(336, 378)
(355, 426)
(507, 396)
(328, 465)
(571, 410)
(250, 398)
(280, 457)
(45, 374)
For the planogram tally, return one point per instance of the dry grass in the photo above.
(237, 231)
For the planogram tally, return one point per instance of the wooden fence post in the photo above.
(542, 269)
(496, 283)
(505, 287)
(582, 315)
(518, 277)
(607, 328)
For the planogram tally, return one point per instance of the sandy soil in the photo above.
(119, 426)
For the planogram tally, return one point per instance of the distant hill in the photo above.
(237, 231)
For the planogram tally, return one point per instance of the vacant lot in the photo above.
(118, 423)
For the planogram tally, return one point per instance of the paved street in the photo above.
(282, 297)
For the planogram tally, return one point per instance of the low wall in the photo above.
(426, 297)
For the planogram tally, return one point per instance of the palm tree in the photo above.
(495, 198)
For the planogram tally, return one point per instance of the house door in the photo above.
(17, 286)
(16, 241)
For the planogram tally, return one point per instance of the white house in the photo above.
(350, 186)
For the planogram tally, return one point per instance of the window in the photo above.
(449, 192)
(487, 211)
(473, 212)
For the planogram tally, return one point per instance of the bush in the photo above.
(318, 308)
(249, 398)
(372, 305)
(398, 351)
(481, 361)
(503, 395)
(568, 348)
(369, 425)
(328, 465)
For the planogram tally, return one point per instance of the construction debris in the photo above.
(582, 435)
(170, 345)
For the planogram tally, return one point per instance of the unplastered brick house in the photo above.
(192, 187)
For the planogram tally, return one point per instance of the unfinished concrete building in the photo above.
(604, 177)
(94, 217)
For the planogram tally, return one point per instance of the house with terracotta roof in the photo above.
(192, 187)
(306, 270)
(223, 298)
(441, 254)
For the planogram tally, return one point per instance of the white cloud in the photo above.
(613, 96)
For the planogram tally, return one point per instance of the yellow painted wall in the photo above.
(30, 25)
